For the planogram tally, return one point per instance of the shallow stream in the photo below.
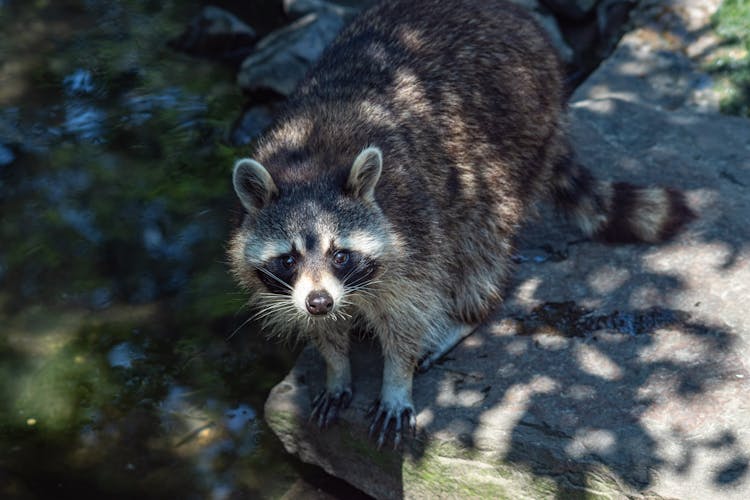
(126, 369)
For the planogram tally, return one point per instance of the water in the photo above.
(117, 373)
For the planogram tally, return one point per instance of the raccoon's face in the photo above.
(314, 249)
(318, 275)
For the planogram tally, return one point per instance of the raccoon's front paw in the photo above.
(397, 414)
(327, 404)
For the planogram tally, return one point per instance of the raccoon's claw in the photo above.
(326, 406)
(401, 416)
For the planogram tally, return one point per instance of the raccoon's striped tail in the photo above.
(618, 212)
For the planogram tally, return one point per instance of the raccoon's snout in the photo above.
(319, 302)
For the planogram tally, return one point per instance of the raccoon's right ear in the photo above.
(365, 174)
(253, 184)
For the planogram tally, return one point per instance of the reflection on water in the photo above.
(116, 375)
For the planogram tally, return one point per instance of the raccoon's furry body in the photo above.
(413, 152)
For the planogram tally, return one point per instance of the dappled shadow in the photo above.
(661, 147)
(585, 402)
(588, 408)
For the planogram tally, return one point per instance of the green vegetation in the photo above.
(731, 64)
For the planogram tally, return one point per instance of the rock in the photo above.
(7, 156)
(301, 489)
(250, 124)
(549, 23)
(281, 59)
(611, 371)
(572, 9)
(215, 32)
(295, 9)
(659, 62)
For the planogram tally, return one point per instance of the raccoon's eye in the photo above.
(288, 261)
(340, 258)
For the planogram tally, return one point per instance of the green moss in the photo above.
(283, 423)
(430, 478)
(731, 64)
(354, 439)
(733, 20)
(453, 450)
(451, 471)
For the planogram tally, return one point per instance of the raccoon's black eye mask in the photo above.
(352, 268)
(279, 274)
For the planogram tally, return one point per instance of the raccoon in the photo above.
(393, 184)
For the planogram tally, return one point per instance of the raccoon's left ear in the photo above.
(365, 174)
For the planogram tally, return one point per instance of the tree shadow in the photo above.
(580, 406)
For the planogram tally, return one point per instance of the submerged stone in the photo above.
(250, 125)
(7, 156)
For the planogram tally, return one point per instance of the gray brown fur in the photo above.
(465, 101)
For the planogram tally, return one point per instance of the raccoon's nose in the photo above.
(319, 302)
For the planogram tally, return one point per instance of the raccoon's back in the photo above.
(444, 72)
(459, 95)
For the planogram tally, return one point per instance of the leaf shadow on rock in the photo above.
(550, 413)
(620, 394)
(635, 379)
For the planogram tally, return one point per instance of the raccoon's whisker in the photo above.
(344, 315)
(267, 308)
(273, 276)
(239, 328)
(270, 305)
(273, 298)
(288, 309)
(267, 314)
(364, 283)
(268, 302)
(345, 301)
(362, 290)
(355, 286)
(241, 309)
(271, 295)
